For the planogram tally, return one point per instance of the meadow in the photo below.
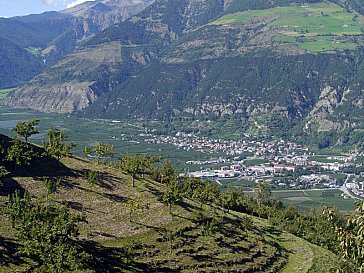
(5, 92)
(129, 139)
(314, 27)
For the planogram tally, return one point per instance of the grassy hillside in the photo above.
(154, 240)
(314, 27)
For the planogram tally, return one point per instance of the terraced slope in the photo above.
(162, 242)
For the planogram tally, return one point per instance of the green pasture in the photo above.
(5, 92)
(322, 23)
(34, 51)
(324, 44)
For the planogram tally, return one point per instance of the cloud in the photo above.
(75, 3)
(48, 2)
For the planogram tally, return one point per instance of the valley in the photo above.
(194, 136)
(297, 175)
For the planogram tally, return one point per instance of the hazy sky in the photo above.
(9, 8)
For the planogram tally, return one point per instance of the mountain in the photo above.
(265, 63)
(49, 37)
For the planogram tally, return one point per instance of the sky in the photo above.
(10, 8)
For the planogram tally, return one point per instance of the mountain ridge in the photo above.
(51, 36)
(215, 58)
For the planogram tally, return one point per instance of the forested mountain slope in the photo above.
(49, 37)
(294, 61)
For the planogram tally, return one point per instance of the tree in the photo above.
(134, 165)
(130, 165)
(171, 237)
(20, 153)
(27, 129)
(263, 194)
(229, 199)
(100, 150)
(51, 185)
(168, 173)
(87, 151)
(92, 176)
(103, 150)
(57, 146)
(135, 204)
(18, 206)
(206, 192)
(46, 234)
(171, 195)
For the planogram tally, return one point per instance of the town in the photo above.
(282, 164)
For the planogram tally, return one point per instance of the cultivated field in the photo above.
(315, 198)
(125, 137)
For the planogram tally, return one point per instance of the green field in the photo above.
(125, 137)
(5, 92)
(315, 198)
(315, 27)
(34, 51)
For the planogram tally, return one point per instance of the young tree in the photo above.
(57, 146)
(46, 235)
(134, 165)
(20, 153)
(87, 151)
(103, 150)
(135, 204)
(130, 165)
(92, 176)
(171, 236)
(18, 206)
(168, 173)
(51, 185)
(228, 200)
(100, 150)
(206, 192)
(27, 129)
(171, 195)
(263, 194)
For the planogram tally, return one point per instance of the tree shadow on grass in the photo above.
(157, 193)
(10, 186)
